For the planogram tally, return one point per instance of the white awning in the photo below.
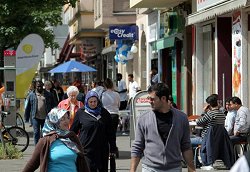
(217, 10)
(109, 49)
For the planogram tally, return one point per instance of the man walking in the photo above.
(162, 136)
(39, 104)
(122, 90)
(133, 86)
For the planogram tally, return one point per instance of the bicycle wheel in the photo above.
(17, 137)
(19, 121)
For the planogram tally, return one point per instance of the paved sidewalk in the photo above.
(122, 164)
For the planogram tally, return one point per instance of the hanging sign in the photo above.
(123, 32)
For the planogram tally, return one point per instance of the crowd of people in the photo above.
(58, 117)
(83, 126)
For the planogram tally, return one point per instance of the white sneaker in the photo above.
(209, 167)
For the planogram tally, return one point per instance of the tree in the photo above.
(18, 18)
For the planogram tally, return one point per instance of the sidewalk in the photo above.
(122, 164)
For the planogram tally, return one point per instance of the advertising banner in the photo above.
(28, 55)
(236, 53)
(140, 104)
(123, 32)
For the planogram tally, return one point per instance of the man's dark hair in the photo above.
(228, 100)
(236, 100)
(160, 90)
(119, 75)
(212, 100)
(131, 75)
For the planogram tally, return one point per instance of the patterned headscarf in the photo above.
(52, 123)
(96, 111)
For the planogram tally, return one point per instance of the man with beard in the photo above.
(162, 136)
(39, 104)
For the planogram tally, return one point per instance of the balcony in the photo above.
(113, 12)
(155, 3)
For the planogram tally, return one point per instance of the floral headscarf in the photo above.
(96, 111)
(52, 123)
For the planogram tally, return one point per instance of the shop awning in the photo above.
(217, 10)
(155, 3)
(163, 43)
(109, 49)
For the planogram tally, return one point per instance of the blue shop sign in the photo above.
(123, 32)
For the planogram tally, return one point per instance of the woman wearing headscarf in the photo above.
(96, 133)
(71, 103)
(59, 149)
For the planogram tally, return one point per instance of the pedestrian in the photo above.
(153, 76)
(59, 149)
(71, 103)
(133, 86)
(122, 90)
(49, 87)
(162, 136)
(92, 123)
(39, 104)
(111, 102)
(59, 90)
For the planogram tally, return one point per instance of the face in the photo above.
(47, 86)
(130, 79)
(233, 106)
(64, 122)
(72, 96)
(39, 87)
(155, 101)
(228, 106)
(118, 78)
(92, 102)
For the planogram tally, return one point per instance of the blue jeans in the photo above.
(37, 127)
(195, 141)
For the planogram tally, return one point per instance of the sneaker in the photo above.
(124, 134)
(209, 167)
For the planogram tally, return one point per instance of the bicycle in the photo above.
(14, 135)
(19, 121)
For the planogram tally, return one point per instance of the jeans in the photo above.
(195, 141)
(37, 126)
(146, 168)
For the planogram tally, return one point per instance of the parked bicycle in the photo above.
(14, 135)
(19, 121)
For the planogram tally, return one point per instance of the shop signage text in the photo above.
(123, 32)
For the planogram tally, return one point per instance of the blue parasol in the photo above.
(72, 66)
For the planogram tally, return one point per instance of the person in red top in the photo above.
(71, 104)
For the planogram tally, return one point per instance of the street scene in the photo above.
(125, 85)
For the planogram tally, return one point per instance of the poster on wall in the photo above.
(236, 53)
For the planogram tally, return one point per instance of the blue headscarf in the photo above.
(96, 111)
(52, 123)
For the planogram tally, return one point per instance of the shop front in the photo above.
(220, 50)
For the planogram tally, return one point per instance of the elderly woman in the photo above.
(71, 103)
(96, 133)
(59, 149)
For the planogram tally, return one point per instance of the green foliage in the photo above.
(18, 18)
(12, 152)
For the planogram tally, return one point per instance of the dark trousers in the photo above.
(115, 122)
(37, 127)
(123, 105)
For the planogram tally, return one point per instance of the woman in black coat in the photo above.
(94, 125)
